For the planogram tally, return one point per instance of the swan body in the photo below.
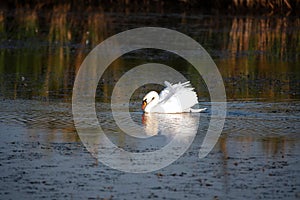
(176, 98)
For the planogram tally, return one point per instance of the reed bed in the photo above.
(267, 40)
(61, 28)
(232, 6)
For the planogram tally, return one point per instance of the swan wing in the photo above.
(179, 97)
(170, 90)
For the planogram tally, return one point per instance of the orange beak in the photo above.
(144, 105)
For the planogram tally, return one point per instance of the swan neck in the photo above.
(151, 105)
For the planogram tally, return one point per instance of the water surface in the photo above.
(42, 156)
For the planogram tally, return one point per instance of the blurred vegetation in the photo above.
(43, 44)
(236, 6)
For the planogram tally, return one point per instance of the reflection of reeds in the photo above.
(269, 4)
(27, 21)
(3, 34)
(260, 35)
(264, 41)
(58, 26)
(283, 6)
(2, 20)
(259, 46)
(94, 31)
(64, 30)
(57, 65)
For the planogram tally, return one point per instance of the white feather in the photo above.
(176, 98)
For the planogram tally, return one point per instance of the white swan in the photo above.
(177, 98)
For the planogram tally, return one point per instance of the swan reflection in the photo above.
(162, 139)
(181, 127)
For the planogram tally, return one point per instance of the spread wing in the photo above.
(181, 93)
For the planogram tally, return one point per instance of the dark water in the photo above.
(257, 155)
(41, 50)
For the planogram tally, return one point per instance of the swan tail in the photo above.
(198, 110)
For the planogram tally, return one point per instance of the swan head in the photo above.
(149, 101)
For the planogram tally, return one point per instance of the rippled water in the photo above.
(258, 151)
(42, 155)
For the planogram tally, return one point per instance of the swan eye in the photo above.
(153, 98)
